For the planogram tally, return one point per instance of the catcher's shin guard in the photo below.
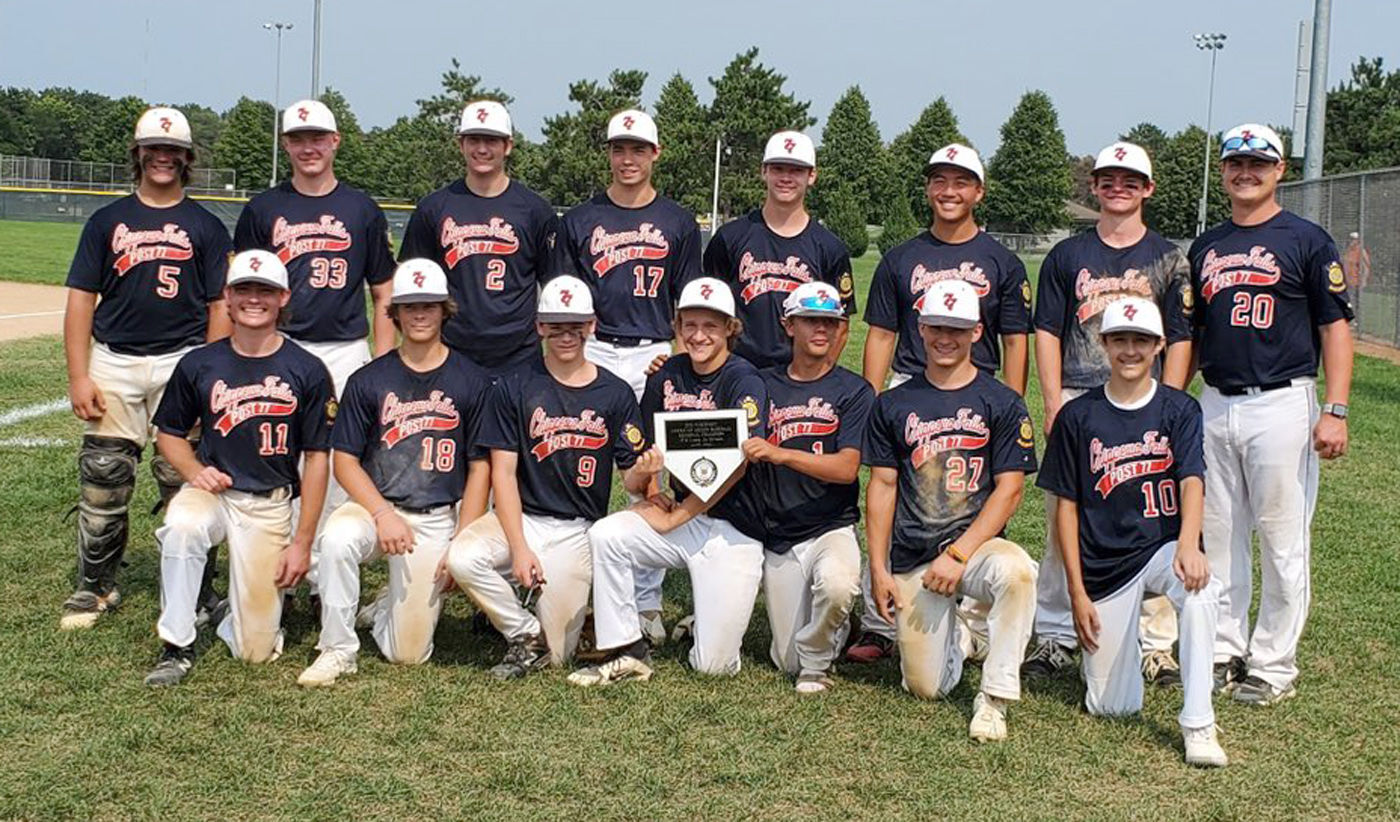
(107, 478)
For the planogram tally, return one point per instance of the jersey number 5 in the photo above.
(168, 276)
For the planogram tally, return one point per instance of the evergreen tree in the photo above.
(1174, 206)
(852, 151)
(573, 161)
(684, 171)
(845, 220)
(245, 144)
(899, 226)
(352, 160)
(1029, 178)
(936, 127)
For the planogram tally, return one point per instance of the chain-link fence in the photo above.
(40, 172)
(1362, 213)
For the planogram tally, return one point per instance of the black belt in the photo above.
(625, 342)
(1241, 390)
(409, 509)
(270, 492)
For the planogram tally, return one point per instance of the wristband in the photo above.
(381, 512)
(957, 557)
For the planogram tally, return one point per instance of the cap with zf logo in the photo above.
(707, 292)
(418, 281)
(565, 299)
(950, 304)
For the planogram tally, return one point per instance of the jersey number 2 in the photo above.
(495, 275)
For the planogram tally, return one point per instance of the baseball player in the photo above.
(1271, 297)
(146, 286)
(636, 249)
(720, 542)
(949, 450)
(494, 237)
(1125, 464)
(954, 248)
(768, 253)
(407, 454)
(1079, 278)
(555, 428)
(263, 402)
(808, 468)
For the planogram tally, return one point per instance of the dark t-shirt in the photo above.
(998, 276)
(948, 447)
(496, 251)
(822, 416)
(333, 245)
(155, 271)
(1261, 293)
(413, 432)
(567, 439)
(1124, 467)
(636, 260)
(258, 414)
(763, 268)
(1081, 276)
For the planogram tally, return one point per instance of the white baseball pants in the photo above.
(810, 591)
(480, 562)
(927, 628)
(1113, 673)
(131, 386)
(1262, 479)
(404, 629)
(725, 565)
(257, 528)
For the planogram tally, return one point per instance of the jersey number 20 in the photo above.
(1252, 310)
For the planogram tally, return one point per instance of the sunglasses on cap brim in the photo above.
(1237, 145)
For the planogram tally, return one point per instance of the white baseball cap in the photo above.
(815, 299)
(950, 303)
(307, 115)
(163, 126)
(257, 266)
(1129, 156)
(1132, 314)
(565, 299)
(791, 148)
(418, 281)
(707, 292)
(486, 117)
(1254, 140)
(958, 156)
(633, 125)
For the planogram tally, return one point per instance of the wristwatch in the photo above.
(1336, 409)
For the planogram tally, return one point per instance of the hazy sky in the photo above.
(1106, 65)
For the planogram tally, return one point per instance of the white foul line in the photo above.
(29, 412)
(32, 314)
(31, 442)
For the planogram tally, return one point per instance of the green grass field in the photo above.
(37, 252)
(83, 738)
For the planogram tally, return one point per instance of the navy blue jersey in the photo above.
(1261, 293)
(948, 447)
(1124, 467)
(332, 245)
(496, 252)
(258, 414)
(736, 384)
(413, 431)
(822, 416)
(567, 438)
(763, 268)
(1081, 276)
(636, 260)
(155, 271)
(897, 291)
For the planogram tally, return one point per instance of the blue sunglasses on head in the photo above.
(1251, 143)
(819, 302)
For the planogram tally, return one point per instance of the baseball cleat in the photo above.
(523, 656)
(328, 667)
(684, 630)
(813, 682)
(1202, 748)
(1255, 691)
(1047, 659)
(83, 608)
(652, 627)
(369, 613)
(870, 647)
(988, 719)
(1228, 675)
(174, 663)
(618, 669)
(1160, 668)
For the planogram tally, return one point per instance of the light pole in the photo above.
(276, 94)
(1212, 43)
(316, 53)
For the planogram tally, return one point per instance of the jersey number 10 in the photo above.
(1159, 499)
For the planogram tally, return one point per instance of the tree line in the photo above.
(863, 179)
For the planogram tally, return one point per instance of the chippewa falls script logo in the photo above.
(764, 276)
(971, 273)
(1095, 293)
(674, 400)
(402, 419)
(460, 241)
(587, 431)
(292, 240)
(270, 398)
(965, 431)
(1123, 463)
(1257, 267)
(169, 242)
(610, 250)
(814, 419)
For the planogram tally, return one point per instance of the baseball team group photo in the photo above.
(670, 469)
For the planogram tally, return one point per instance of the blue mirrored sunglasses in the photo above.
(1252, 143)
(819, 302)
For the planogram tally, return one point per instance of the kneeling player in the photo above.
(949, 450)
(809, 466)
(405, 448)
(1125, 461)
(263, 402)
(719, 542)
(555, 427)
